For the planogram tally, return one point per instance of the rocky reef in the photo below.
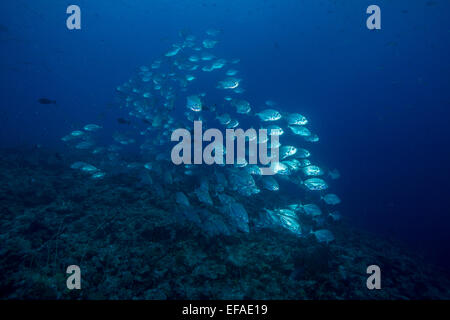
(131, 242)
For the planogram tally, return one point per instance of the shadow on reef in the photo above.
(132, 244)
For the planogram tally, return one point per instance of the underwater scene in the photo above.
(225, 150)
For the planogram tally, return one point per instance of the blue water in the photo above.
(378, 99)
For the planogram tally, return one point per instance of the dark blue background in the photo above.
(378, 99)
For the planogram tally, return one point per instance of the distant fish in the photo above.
(331, 199)
(92, 127)
(123, 121)
(46, 101)
(334, 174)
(311, 209)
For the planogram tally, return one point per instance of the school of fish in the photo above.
(171, 92)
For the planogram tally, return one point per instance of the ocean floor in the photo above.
(131, 244)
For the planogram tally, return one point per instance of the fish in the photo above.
(312, 170)
(292, 164)
(303, 162)
(209, 43)
(88, 168)
(212, 32)
(182, 200)
(242, 106)
(269, 115)
(300, 130)
(291, 224)
(98, 175)
(84, 145)
(296, 119)
(231, 72)
(285, 218)
(99, 150)
(194, 103)
(335, 216)
(323, 235)
(92, 127)
(172, 52)
(206, 56)
(274, 130)
(46, 101)
(315, 184)
(312, 138)
(233, 123)
(170, 92)
(334, 174)
(302, 154)
(78, 165)
(311, 209)
(67, 138)
(229, 83)
(287, 151)
(280, 168)
(331, 199)
(224, 119)
(77, 133)
(253, 169)
(123, 121)
(269, 183)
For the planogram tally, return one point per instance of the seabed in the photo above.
(131, 242)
